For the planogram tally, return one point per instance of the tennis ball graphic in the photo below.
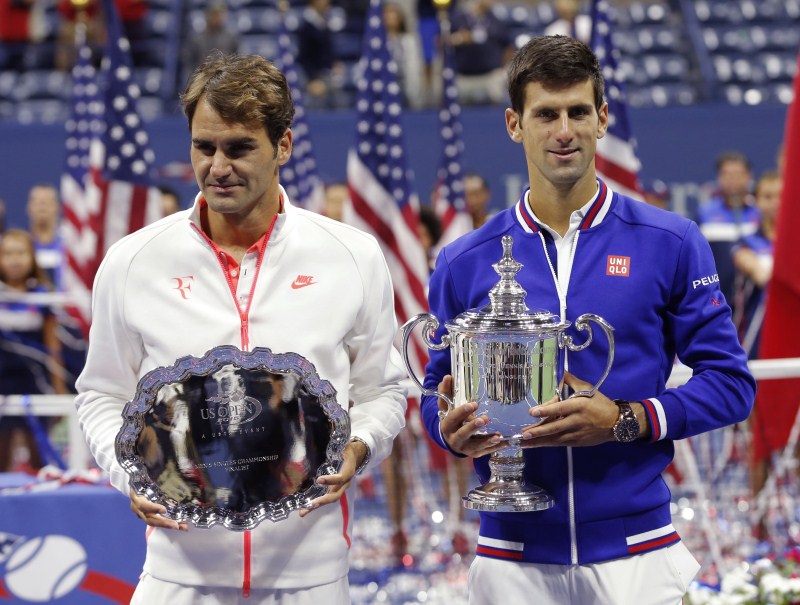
(44, 568)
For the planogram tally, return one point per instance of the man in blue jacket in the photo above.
(608, 539)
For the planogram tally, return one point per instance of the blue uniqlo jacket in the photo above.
(651, 275)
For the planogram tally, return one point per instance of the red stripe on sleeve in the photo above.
(496, 552)
(653, 544)
(652, 417)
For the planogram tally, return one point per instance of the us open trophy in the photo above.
(508, 359)
(233, 437)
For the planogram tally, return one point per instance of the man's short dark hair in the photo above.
(732, 157)
(246, 89)
(555, 62)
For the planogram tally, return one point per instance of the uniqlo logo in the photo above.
(619, 266)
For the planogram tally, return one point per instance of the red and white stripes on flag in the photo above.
(616, 161)
(105, 188)
(380, 183)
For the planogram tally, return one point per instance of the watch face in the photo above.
(626, 430)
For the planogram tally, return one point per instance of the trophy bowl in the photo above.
(507, 359)
(233, 437)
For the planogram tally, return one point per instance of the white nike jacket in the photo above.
(322, 289)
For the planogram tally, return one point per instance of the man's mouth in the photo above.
(564, 153)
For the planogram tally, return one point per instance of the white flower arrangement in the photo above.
(767, 581)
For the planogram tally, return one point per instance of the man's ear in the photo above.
(602, 123)
(285, 147)
(513, 125)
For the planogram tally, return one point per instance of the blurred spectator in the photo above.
(430, 230)
(337, 201)
(406, 51)
(429, 30)
(132, 15)
(656, 193)
(729, 216)
(2, 216)
(15, 31)
(92, 16)
(170, 200)
(752, 258)
(481, 48)
(29, 349)
(43, 224)
(216, 34)
(477, 197)
(571, 21)
(316, 56)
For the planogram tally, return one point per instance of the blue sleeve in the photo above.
(444, 305)
(721, 390)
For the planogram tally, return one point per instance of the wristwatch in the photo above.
(367, 456)
(627, 427)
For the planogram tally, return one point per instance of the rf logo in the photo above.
(184, 286)
(619, 266)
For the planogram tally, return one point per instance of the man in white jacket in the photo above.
(245, 267)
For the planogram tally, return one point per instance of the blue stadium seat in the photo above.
(8, 83)
(7, 109)
(347, 46)
(45, 111)
(741, 94)
(42, 84)
(149, 108)
(257, 20)
(259, 44)
(644, 13)
(149, 79)
(158, 22)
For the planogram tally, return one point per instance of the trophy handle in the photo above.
(582, 324)
(431, 325)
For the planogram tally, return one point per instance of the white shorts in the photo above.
(660, 577)
(151, 591)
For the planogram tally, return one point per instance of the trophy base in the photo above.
(508, 497)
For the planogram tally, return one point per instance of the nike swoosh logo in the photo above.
(297, 286)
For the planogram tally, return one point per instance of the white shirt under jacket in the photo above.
(145, 316)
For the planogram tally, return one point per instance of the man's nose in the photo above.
(564, 126)
(220, 165)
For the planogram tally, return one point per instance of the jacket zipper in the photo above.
(244, 315)
(562, 298)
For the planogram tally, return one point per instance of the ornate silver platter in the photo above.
(233, 437)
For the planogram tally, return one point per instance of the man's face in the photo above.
(16, 258)
(734, 178)
(768, 197)
(236, 166)
(43, 206)
(558, 129)
(476, 195)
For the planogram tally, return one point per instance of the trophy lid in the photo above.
(507, 310)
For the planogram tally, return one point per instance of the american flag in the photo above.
(379, 181)
(449, 194)
(299, 175)
(106, 183)
(616, 160)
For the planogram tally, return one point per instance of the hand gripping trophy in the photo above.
(506, 358)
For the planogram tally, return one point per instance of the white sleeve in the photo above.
(109, 378)
(377, 414)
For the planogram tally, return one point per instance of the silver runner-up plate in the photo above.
(233, 437)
